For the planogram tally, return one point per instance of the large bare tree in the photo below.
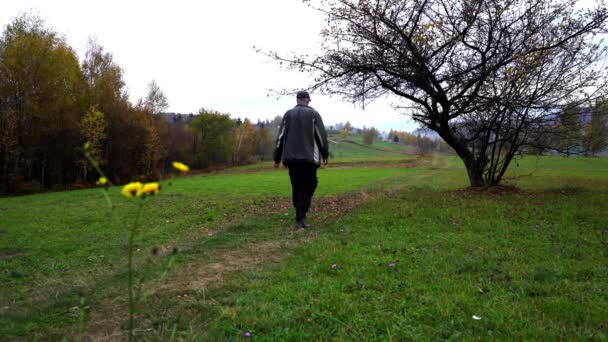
(489, 76)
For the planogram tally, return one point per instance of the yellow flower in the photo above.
(131, 189)
(180, 166)
(102, 181)
(149, 189)
(87, 145)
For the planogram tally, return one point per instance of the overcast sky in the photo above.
(201, 52)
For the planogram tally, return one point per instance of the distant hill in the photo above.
(426, 132)
(353, 148)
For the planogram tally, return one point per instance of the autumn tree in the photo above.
(10, 150)
(569, 131)
(149, 148)
(154, 103)
(133, 147)
(489, 76)
(155, 100)
(424, 145)
(40, 104)
(345, 131)
(263, 143)
(391, 136)
(244, 146)
(276, 121)
(106, 89)
(104, 77)
(214, 140)
(596, 132)
(93, 131)
(50, 104)
(369, 135)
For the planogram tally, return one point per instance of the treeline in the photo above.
(343, 130)
(51, 104)
(423, 144)
(583, 130)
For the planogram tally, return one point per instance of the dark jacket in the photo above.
(301, 137)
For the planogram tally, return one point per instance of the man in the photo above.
(301, 144)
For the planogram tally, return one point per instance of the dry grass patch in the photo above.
(201, 276)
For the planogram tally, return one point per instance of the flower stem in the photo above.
(108, 201)
(98, 169)
(130, 267)
(94, 163)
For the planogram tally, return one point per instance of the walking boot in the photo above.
(302, 224)
(302, 221)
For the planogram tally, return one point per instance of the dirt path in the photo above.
(220, 264)
(108, 309)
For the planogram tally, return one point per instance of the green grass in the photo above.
(570, 172)
(352, 148)
(531, 265)
(66, 237)
(69, 230)
(380, 144)
(530, 262)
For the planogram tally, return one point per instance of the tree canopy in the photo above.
(51, 104)
(489, 76)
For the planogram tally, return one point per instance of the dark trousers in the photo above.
(303, 178)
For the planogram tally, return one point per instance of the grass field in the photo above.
(400, 250)
(352, 148)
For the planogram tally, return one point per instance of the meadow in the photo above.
(353, 148)
(400, 250)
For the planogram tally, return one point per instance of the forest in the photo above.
(51, 103)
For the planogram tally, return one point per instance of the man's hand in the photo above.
(324, 161)
(276, 164)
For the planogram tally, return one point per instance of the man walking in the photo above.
(301, 144)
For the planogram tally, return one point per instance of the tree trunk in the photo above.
(474, 170)
(43, 172)
(475, 176)
(84, 172)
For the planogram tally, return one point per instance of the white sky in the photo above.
(201, 52)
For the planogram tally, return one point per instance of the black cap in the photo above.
(303, 95)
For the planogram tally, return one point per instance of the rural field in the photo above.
(400, 249)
